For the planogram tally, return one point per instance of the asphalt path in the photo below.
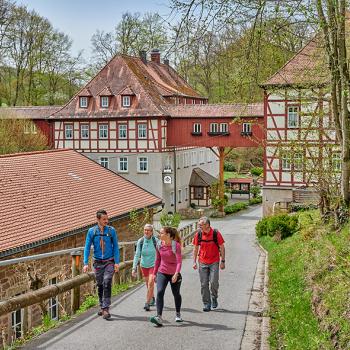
(129, 327)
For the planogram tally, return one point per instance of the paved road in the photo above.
(129, 327)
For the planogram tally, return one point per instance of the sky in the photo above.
(80, 19)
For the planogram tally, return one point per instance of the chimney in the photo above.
(166, 61)
(155, 56)
(143, 56)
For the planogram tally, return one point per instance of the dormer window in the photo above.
(126, 101)
(104, 101)
(83, 101)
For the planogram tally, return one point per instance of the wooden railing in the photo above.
(45, 293)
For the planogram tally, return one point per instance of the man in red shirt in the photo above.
(210, 244)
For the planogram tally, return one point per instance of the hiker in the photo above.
(167, 269)
(106, 259)
(146, 250)
(210, 244)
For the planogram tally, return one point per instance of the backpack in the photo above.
(215, 238)
(108, 234)
(173, 246)
(143, 239)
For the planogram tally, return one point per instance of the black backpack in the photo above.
(215, 238)
(153, 240)
(108, 234)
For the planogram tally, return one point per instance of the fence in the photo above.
(74, 283)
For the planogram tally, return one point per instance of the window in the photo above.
(16, 323)
(142, 131)
(286, 162)
(336, 161)
(201, 157)
(293, 113)
(103, 131)
(193, 158)
(223, 127)
(180, 196)
(68, 131)
(197, 128)
(126, 101)
(298, 161)
(84, 131)
(104, 161)
(178, 159)
(198, 193)
(246, 128)
(186, 160)
(53, 303)
(30, 128)
(142, 165)
(172, 199)
(186, 194)
(214, 127)
(83, 102)
(122, 131)
(123, 164)
(104, 101)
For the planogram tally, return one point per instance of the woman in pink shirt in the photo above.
(167, 269)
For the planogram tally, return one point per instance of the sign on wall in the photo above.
(167, 179)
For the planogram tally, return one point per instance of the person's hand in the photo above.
(222, 265)
(174, 278)
(86, 268)
(116, 267)
(194, 266)
(133, 273)
(154, 278)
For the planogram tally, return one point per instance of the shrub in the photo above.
(172, 220)
(255, 191)
(295, 207)
(234, 208)
(256, 200)
(229, 166)
(283, 224)
(257, 171)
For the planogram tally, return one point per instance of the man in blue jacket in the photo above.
(106, 259)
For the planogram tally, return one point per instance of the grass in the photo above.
(309, 287)
(233, 174)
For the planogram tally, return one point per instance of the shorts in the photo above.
(146, 271)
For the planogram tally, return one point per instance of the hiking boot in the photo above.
(146, 307)
(100, 312)
(152, 302)
(156, 320)
(178, 318)
(206, 307)
(105, 314)
(214, 303)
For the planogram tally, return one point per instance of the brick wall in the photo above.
(14, 278)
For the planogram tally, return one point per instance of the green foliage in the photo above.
(234, 208)
(256, 200)
(256, 171)
(172, 220)
(255, 191)
(282, 225)
(89, 302)
(139, 220)
(228, 166)
(217, 202)
(295, 207)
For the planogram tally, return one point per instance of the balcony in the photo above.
(218, 133)
(246, 133)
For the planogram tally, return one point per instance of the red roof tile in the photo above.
(85, 92)
(30, 112)
(240, 180)
(216, 110)
(106, 91)
(45, 194)
(127, 91)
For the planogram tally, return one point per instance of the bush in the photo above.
(256, 200)
(283, 224)
(257, 171)
(172, 220)
(229, 166)
(255, 191)
(294, 207)
(234, 208)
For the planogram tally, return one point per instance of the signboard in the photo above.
(167, 179)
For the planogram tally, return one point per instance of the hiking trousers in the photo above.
(104, 270)
(209, 278)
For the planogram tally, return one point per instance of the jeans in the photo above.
(104, 270)
(162, 282)
(209, 273)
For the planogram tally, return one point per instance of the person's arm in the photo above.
(157, 262)
(87, 248)
(178, 258)
(115, 250)
(222, 254)
(195, 250)
(137, 255)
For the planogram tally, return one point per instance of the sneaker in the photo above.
(105, 314)
(100, 312)
(152, 302)
(178, 318)
(146, 307)
(206, 307)
(156, 320)
(214, 303)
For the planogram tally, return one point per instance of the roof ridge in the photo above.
(18, 154)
